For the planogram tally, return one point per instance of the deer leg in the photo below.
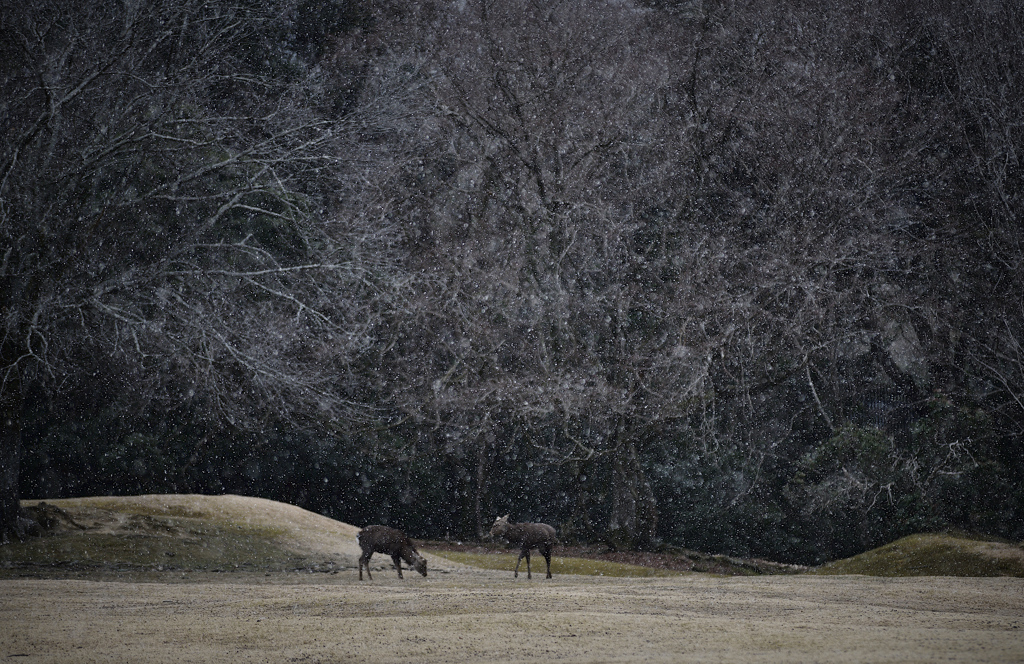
(546, 551)
(365, 560)
(528, 575)
(521, 554)
(398, 564)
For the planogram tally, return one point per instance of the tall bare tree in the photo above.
(688, 213)
(163, 222)
(551, 297)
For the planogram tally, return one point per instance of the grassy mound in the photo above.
(559, 565)
(934, 554)
(177, 532)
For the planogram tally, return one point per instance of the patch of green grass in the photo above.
(129, 504)
(581, 566)
(933, 554)
(199, 546)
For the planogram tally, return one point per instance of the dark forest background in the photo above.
(740, 277)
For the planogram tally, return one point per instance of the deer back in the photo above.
(531, 534)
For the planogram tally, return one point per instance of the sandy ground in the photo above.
(478, 616)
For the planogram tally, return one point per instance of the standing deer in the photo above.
(381, 539)
(527, 536)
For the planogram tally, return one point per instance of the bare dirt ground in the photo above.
(321, 612)
(486, 616)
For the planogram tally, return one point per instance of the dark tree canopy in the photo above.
(736, 277)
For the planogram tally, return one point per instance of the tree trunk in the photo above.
(12, 524)
(481, 479)
(634, 516)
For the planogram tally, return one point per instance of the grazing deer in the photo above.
(527, 536)
(381, 539)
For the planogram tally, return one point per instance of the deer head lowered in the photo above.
(393, 542)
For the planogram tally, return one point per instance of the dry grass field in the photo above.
(231, 579)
